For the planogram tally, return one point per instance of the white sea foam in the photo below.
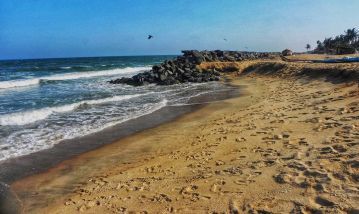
(69, 76)
(41, 140)
(79, 75)
(23, 118)
(19, 83)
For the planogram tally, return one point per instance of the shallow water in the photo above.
(44, 101)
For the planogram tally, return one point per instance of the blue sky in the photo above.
(76, 28)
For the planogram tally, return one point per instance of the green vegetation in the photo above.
(349, 40)
(307, 47)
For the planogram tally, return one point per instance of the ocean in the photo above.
(44, 101)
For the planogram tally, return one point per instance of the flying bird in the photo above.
(246, 48)
(225, 39)
(150, 36)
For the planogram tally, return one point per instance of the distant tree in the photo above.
(307, 47)
(356, 44)
(351, 35)
(340, 41)
(319, 45)
(328, 42)
(349, 39)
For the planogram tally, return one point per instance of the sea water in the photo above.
(44, 101)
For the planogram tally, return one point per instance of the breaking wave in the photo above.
(40, 114)
(69, 76)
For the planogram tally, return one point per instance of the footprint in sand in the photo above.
(299, 174)
(248, 179)
(322, 202)
(236, 205)
(217, 186)
(188, 193)
(271, 205)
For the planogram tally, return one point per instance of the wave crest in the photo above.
(39, 143)
(69, 76)
(19, 83)
(23, 118)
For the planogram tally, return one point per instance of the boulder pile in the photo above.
(183, 69)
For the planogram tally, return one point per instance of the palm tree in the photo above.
(307, 47)
(328, 42)
(319, 45)
(340, 41)
(351, 35)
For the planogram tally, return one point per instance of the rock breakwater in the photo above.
(184, 69)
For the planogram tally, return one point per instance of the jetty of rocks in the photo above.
(182, 69)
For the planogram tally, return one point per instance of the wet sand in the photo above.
(36, 163)
(289, 144)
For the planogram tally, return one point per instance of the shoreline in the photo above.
(27, 187)
(33, 164)
(288, 144)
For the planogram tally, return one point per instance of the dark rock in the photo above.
(195, 74)
(183, 69)
(180, 71)
(199, 58)
(156, 67)
(198, 79)
(163, 77)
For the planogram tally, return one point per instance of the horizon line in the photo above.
(88, 57)
(121, 55)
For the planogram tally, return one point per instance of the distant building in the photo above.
(287, 52)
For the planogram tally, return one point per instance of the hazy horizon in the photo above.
(91, 57)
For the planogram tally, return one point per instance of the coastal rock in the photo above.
(183, 69)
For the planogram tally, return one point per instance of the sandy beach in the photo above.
(288, 144)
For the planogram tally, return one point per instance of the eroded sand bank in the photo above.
(290, 144)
